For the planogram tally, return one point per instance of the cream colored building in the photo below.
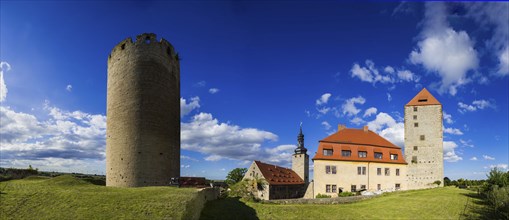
(351, 160)
(424, 141)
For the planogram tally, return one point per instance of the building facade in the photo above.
(351, 160)
(424, 141)
(143, 113)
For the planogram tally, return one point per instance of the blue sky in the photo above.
(252, 71)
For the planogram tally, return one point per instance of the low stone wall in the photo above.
(195, 206)
(336, 200)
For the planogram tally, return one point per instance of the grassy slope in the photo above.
(440, 203)
(65, 197)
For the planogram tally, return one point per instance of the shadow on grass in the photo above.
(227, 208)
(478, 208)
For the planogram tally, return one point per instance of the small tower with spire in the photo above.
(300, 159)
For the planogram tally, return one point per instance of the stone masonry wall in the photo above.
(300, 165)
(429, 164)
(143, 113)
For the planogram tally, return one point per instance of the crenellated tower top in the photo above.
(146, 41)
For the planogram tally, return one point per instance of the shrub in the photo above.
(346, 194)
(438, 182)
(247, 189)
(498, 197)
(319, 196)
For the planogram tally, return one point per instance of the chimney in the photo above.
(341, 127)
(366, 128)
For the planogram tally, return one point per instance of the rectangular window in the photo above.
(363, 187)
(394, 157)
(327, 188)
(415, 147)
(422, 137)
(379, 171)
(353, 188)
(414, 159)
(363, 154)
(398, 186)
(346, 153)
(416, 125)
(415, 108)
(378, 186)
(415, 117)
(378, 155)
(327, 152)
(387, 171)
(330, 169)
(397, 172)
(361, 170)
(334, 189)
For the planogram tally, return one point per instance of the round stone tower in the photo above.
(143, 113)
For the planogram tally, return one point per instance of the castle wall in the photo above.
(143, 113)
(429, 164)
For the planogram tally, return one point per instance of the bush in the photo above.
(498, 197)
(346, 194)
(319, 196)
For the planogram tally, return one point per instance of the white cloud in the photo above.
(370, 111)
(387, 127)
(326, 125)
(389, 69)
(476, 104)
(371, 74)
(449, 153)
(323, 99)
(501, 166)
(4, 66)
(444, 51)
(357, 121)
(65, 138)
(184, 157)
(486, 157)
(493, 16)
(200, 84)
(466, 143)
(453, 131)
(473, 158)
(323, 110)
(69, 88)
(185, 166)
(448, 118)
(213, 90)
(349, 108)
(206, 135)
(389, 97)
(186, 108)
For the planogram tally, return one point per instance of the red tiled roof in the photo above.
(358, 136)
(424, 97)
(276, 175)
(355, 140)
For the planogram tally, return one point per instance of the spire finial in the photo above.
(300, 138)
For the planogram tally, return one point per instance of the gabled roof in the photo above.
(276, 175)
(359, 136)
(424, 97)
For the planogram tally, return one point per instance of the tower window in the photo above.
(415, 117)
(415, 147)
(415, 108)
(422, 138)
(416, 124)
(414, 159)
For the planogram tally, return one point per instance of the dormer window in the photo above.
(363, 154)
(346, 153)
(394, 157)
(378, 155)
(327, 152)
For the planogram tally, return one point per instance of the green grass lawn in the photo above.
(439, 203)
(66, 197)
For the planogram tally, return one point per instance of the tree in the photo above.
(235, 175)
(438, 182)
(447, 181)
